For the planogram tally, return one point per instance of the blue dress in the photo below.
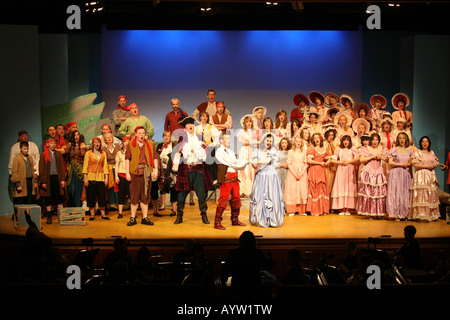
(266, 200)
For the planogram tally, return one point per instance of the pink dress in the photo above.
(399, 185)
(372, 185)
(424, 190)
(344, 192)
(296, 191)
(318, 195)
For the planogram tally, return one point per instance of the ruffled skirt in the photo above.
(424, 203)
(372, 192)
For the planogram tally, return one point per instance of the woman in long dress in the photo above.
(424, 190)
(75, 178)
(344, 190)
(248, 140)
(296, 189)
(372, 180)
(331, 143)
(283, 150)
(318, 159)
(266, 200)
(400, 179)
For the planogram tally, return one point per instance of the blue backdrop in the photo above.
(246, 68)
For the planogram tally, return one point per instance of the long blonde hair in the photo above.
(294, 147)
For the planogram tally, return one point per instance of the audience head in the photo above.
(247, 240)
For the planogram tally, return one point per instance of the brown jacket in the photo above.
(132, 154)
(19, 172)
(44, 173)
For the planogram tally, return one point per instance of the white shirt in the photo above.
(120, 162)
(193, 152)
(227, 157)
(164, 156)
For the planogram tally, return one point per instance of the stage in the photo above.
(300, 228)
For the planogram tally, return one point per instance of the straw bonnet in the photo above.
(299, 97)
(383, 121)
(331, 95)
(360, 106)
(378, 97)
(315, 94)
(359, 121)
(344, 98)
(398, 97)
(344, 113)
(245, 116)
(260, 107)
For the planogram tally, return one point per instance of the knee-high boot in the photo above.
(235, 211)
(218, 218)
(203, 208)
(180, 209)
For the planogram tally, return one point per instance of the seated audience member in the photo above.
(244, 265)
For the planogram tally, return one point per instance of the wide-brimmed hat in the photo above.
(359, 121)
(362, 105)
(344, 113)
(378, 97)
(330, 127)
(398, 97)
(299, 97)
(260, 107)
(313, 95)
(372, 121)
(387, 113)
(344, 98)
(393, 126)
(331, 109)
(309, 113)
(401, 120)
(328, 96)
(245, 116)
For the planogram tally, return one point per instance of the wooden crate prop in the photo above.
(71, 216)
(20, 222)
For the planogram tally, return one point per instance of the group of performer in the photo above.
(330, 155)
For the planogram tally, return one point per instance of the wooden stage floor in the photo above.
(330, 227)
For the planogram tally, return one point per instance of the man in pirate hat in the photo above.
(192, 174)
